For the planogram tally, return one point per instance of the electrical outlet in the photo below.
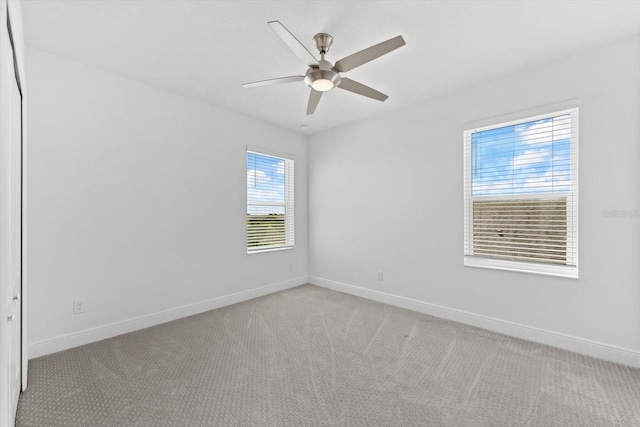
(380, 276)
(78, 307)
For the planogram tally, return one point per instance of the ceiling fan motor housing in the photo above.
(314, 74)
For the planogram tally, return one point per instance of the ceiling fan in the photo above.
(321, 75)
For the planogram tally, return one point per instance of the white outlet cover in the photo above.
(78, 307)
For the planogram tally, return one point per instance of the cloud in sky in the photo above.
(262, 188)
(531, 157)
(265, 195)
(265, 183)
(545, 131)
(498, 187)
(256, 178)
(520, 159)
(549, 181)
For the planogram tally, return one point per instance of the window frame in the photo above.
(288, 204)
(559, 270)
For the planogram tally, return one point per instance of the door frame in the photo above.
(16, 73)
(13, 344)
(14, 29)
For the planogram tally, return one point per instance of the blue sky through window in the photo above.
(531, 157)
(265, 184)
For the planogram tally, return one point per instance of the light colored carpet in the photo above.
(314, 357)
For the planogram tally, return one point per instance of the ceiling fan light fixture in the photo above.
(322, 85)
(322, 80)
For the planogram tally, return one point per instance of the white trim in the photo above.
(269, 152)
(520, 120)
(526, 196)
(76, 339)
(566, 271)
(540, 110)
(572, 343)
(25, 257)
(14, 8)
(269, 249)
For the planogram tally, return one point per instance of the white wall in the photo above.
(137, 205)
(387, 194)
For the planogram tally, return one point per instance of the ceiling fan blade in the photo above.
(277, 81)
(293, 43)
(360, 89)
(369, 54)
(314, 98)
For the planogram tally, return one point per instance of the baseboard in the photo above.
(566, 342)
(118, 328)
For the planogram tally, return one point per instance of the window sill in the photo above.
(272, 249)
(565, 271)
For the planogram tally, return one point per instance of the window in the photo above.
(270, 207)
(521, 195)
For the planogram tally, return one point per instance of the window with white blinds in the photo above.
(270, 204)
(521, 195)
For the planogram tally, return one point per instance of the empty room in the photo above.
(306, 213)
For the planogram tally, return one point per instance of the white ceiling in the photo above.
(206, 49)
